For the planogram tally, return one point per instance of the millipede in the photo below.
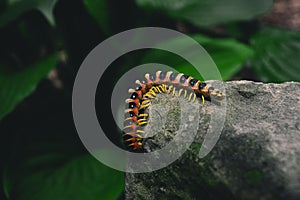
(175, 84)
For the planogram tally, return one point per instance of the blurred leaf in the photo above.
(228, 54)
(99, 10)
(16, 8)
(53, 176)
(277, 56)
(241, 30)
(16, 85)
(209, 12)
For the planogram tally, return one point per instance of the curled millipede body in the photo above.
(175, 84)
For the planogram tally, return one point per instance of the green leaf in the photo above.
(277, 55)
(99, 10)
(16, 8)
(209, 12)
(15, 85)
(53, 176)
(228, 54)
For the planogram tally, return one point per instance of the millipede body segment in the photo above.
(175, 84)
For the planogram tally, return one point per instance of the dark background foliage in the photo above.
(43, 43)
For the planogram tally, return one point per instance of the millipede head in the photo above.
(217, 95)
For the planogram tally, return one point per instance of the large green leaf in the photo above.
(15, 85)
(277, 57)
(99, 10)
(228, 54)
(53, 176)
(209, 12)
(16, 8)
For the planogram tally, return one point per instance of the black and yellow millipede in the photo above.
(176, 84)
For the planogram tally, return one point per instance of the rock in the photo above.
(256, 157)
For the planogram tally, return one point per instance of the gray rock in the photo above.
(256, 157)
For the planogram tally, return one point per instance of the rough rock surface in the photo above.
(256, 157)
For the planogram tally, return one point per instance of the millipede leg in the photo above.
(128, 134)
(170, 88)
(163, 88)
(134, 139)
(131, 90)
(129, 100)
(141, 120)
(140, 131)
(190, 96)
(125, 127)
(129, 118)
(185, 93)
(142, 123)
(145, 101)
(173, 92)
(149, 96)
(152, 93)
(180, 91)
(128, 110)
(153, 89)
(158, 89)
(194, 95)
(144, 106)
(138, 82)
